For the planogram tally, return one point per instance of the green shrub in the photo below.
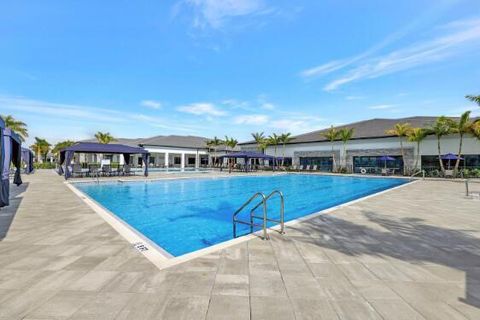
(45, 165)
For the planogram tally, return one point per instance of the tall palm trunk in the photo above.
(457, 164)
(403, 156)
(334, 165)
(345, 155)
(283, 155)
(440, 155)
(418, 156)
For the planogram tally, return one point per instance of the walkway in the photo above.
(413, 253)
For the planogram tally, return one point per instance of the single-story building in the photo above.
(171, 151)
(369, 143)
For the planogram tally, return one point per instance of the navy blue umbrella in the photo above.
(450, 156)
(386, 158)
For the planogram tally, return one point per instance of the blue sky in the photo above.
(232, 67)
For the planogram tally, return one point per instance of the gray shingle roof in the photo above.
(125, 141)
(176, 141)
(164, 141)
(373, 128)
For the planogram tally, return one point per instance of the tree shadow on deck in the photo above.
(407, 239)
(7, 214)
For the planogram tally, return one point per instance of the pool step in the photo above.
(263, 202)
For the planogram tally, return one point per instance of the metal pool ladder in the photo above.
(263, 202)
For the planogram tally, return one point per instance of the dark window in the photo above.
(191, 161)
(322, 163)
(373, 164)
(471, 161)
(177, 160)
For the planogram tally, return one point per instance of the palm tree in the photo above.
(476, 130)
(104, 137)
(230, 143)
(462, 127)
(260, 140)
(18, 126)
(274, 140)
(442, 127)
(284, 139)
(475, 99)
(400, 130)
(41, 147)
(345, 134)
(214, 144)
(417, 135)
(332, 135)
(61, 145)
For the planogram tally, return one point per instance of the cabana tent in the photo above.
(10, 149)
(66, 155)
(27, 158)
(247, 155)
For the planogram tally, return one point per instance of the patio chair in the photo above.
(77, 170)
(127, 170)
(315, 168)
(307, 168)
(93, 170)
(294, 168)
(107, 170)
(300, 168)
(385, 172)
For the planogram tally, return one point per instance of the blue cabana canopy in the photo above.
(386, 158)
(10, 148)
(66, 154)
(27, 158)
(248, 155)
(450, 156)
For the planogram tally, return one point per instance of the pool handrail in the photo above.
(282, 210)
(264, 225)
(417, 173)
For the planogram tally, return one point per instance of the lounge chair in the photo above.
(385, 172)
(307, 168)
(294, 168)
(315, 168)
(449, 174)
(300, 168)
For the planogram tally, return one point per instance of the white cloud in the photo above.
(354, 98)
(298, 125)
(267, 106)
(84, 116)
(254, 119)
(202, 109)
(455, 39)
(214, 13)
(382, 106)
(152, 104)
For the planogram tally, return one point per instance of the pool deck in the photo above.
(411, 253)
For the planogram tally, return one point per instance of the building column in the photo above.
(167, 156)
(182, 161)
(197, 160)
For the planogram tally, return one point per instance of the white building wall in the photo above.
(428, 146)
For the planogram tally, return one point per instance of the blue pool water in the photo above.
(185, 215)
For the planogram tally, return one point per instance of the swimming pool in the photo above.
(185, 215)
